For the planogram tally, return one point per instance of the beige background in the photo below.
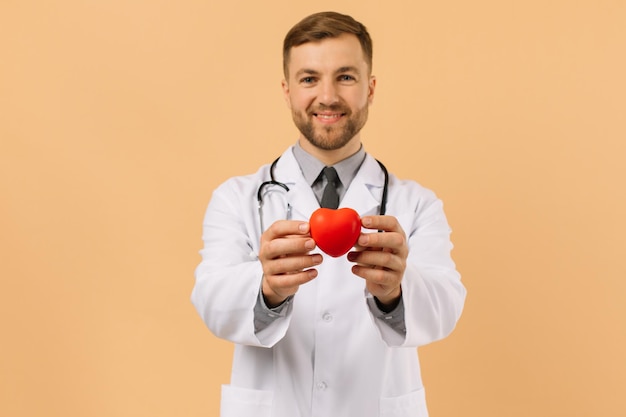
(118, 118)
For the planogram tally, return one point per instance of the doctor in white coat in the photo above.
(317, 336)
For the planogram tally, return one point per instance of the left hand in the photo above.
(381, 258)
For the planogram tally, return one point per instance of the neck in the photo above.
(331, 157)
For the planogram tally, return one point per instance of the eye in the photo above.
(346, 78)
(307, 80)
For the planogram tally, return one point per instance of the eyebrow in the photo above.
(306, 71)
(347, 69)
(340, 70)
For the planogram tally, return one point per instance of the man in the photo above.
(318, 335)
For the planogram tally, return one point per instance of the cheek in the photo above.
(359, 101)
(357, 97)
(301, 102)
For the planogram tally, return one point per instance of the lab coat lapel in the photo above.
(300, 195)
(363, 195)
(365, 191)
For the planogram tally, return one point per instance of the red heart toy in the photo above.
(335, 231)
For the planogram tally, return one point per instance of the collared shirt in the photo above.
(311, 168)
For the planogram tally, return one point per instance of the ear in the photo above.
(285, 86)
(371, 87)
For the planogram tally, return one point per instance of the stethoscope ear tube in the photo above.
(383, 200)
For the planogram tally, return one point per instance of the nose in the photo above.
(328, 94)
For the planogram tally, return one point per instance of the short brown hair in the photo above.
(324, 25)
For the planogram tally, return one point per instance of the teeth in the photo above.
(328, 116)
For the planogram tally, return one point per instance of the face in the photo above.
(329, 89)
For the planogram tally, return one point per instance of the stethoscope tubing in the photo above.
(272, 181)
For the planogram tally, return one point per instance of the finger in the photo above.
(394, 241)
(290, 281)
(380, 259)
(277, 288)
(383, 223)
(291, 264)
(381, 277)
(282, 228)
(285, 246)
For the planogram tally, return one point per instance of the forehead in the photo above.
(327, 55)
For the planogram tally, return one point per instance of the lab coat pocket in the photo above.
(243, 402)
(409, 405)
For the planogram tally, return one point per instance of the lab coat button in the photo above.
(321, 386)
(327, 317)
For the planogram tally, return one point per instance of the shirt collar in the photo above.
(311, 166)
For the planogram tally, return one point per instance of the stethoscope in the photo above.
(272, 181)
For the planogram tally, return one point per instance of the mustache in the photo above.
(335, 108)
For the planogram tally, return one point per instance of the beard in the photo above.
(330, 138)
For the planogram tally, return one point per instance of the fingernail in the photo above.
(309, 244)
(317, 259)
(364, 240)
(367, 221)
(303, 227)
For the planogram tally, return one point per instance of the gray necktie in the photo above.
(330, 198)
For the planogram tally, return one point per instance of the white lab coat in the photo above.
(327, 355)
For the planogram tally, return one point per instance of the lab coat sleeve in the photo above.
(229, 276)
(432, 292)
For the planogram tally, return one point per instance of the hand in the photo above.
(381, 258)
(286, 261)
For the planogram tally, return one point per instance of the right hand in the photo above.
(286, 261)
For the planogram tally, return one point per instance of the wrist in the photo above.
(389, 302)
(273, 302)
(271, 299)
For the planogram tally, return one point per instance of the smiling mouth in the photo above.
(328, 117)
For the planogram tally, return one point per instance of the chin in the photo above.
(329, 144)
